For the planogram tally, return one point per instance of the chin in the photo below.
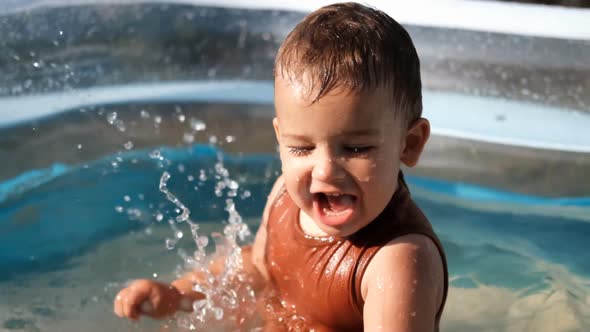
(338, 231)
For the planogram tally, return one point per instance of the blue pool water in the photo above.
(56, 212)
(529, 253)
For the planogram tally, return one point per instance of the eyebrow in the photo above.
(357, 133)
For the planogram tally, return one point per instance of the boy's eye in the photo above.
(299, 151)
(358, 150)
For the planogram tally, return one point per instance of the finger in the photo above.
(134, 302)
(133, 313)
(118, 303)
(127, 304)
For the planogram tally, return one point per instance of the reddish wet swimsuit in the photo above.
(319, 279)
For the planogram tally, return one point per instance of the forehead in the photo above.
(338, 112)
(301, 93)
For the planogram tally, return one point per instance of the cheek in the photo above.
(374, 170)
(293, 164)
(365, 172)
(379, 173)
(294, 171)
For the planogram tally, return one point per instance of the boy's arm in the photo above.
(403, 286)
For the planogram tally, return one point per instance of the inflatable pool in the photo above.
(100, 98)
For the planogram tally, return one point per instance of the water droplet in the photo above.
(157, 119)
(79, 146)
(128, 145)
(156, 155)
(155, 275)
(170, 243)
(190, 178)
(188, 138)
(212, 139)
(144, 114)
(219, 169)
(134, 214)
(181, 168)
(179, 234)
(202, 241)
(246, 194)
(199, 288)
(198, 125)
(127, 198)
(181, 117)
(218, 313)
(159, 216)
(202, 176)
(199, 304)
(230, 138)
(185, 214)
(119, 209)
(244, 232)
(111, 117)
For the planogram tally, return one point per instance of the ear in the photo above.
(415, 141)
(275, 124)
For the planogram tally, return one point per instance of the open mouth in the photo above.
(334, 208)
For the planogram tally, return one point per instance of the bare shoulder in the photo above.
(412, 255)
(410, 270)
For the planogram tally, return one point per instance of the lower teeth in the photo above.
(331, 213)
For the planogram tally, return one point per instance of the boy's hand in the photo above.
(147, 297)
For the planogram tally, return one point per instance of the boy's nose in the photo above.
(327, 168)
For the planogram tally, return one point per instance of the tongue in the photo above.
(339, 203)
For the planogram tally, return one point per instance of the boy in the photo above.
(341, 242)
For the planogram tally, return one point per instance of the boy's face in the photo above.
(340, 155)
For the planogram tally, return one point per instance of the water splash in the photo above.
(228, 294)
(184, 216)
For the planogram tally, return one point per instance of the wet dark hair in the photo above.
(352, 46)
